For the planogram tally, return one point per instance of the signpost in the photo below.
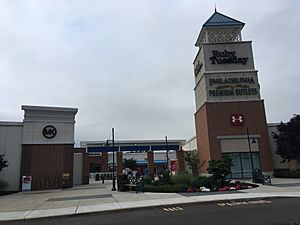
(26, 183)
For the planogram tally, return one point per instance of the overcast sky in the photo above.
(128, 64)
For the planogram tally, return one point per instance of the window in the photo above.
(242, 167)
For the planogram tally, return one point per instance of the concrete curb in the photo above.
(137, 205)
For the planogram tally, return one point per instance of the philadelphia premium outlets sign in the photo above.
(231, 86)
(236, 86)
(227, 57)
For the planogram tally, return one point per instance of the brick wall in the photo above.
(119, 162)
(104, 160)
(150, 157)
(202, 138)
(213, 120)
(46, 164)
(180, 160)
(101, 160)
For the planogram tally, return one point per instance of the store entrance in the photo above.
(242, 167)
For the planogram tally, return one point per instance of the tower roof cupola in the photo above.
(220, 28)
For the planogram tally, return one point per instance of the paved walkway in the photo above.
(98, 197)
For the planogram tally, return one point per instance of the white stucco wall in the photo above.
(200, 93)
(190, 145)
(37, 117)
(199, 65)
(11, 146)
(77, 169)
(238, 145)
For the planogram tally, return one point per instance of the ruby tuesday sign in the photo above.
(227, 57)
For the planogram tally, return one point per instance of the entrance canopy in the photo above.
(132, 146)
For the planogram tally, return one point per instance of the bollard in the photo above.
(102, 178)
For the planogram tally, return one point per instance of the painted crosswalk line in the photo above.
(173, 209)
(244, 203)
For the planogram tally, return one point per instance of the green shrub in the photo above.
(286, 173)
(148, 180)
(281, 173)
(193, 161)
(208, 182)
(156, 182)
(220, 169)
(294, 173)
(166, 188)
(183, 178)
(3, 184)
(129, 163)
(164, 178)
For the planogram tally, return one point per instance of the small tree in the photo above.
(3, 162)
(288, 139)
(129, 163)
(193, 162)
(220, 169)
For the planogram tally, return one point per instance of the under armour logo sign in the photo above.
(237, 119)
(49, 131)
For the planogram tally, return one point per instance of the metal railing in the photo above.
(98, 176)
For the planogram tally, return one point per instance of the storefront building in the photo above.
(230, 121)
(41, 154)
(40, 149)
(230, 115)
(153, 157)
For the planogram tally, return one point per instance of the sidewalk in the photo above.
(98, 197)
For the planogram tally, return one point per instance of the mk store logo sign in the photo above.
(49, 131)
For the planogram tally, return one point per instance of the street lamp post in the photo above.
(113, 144)
(113, 171)
(167, 149)
(251, 158)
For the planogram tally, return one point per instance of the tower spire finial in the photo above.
(215, 7)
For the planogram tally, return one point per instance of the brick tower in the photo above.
(230, 116)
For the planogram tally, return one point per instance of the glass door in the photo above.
(236, 171)
(242, 167)
(246, 162)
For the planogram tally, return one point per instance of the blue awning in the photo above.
(102, 149)
(145, 162)
(163, 147)
(132, 148)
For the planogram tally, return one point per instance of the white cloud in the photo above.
(128, 64)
